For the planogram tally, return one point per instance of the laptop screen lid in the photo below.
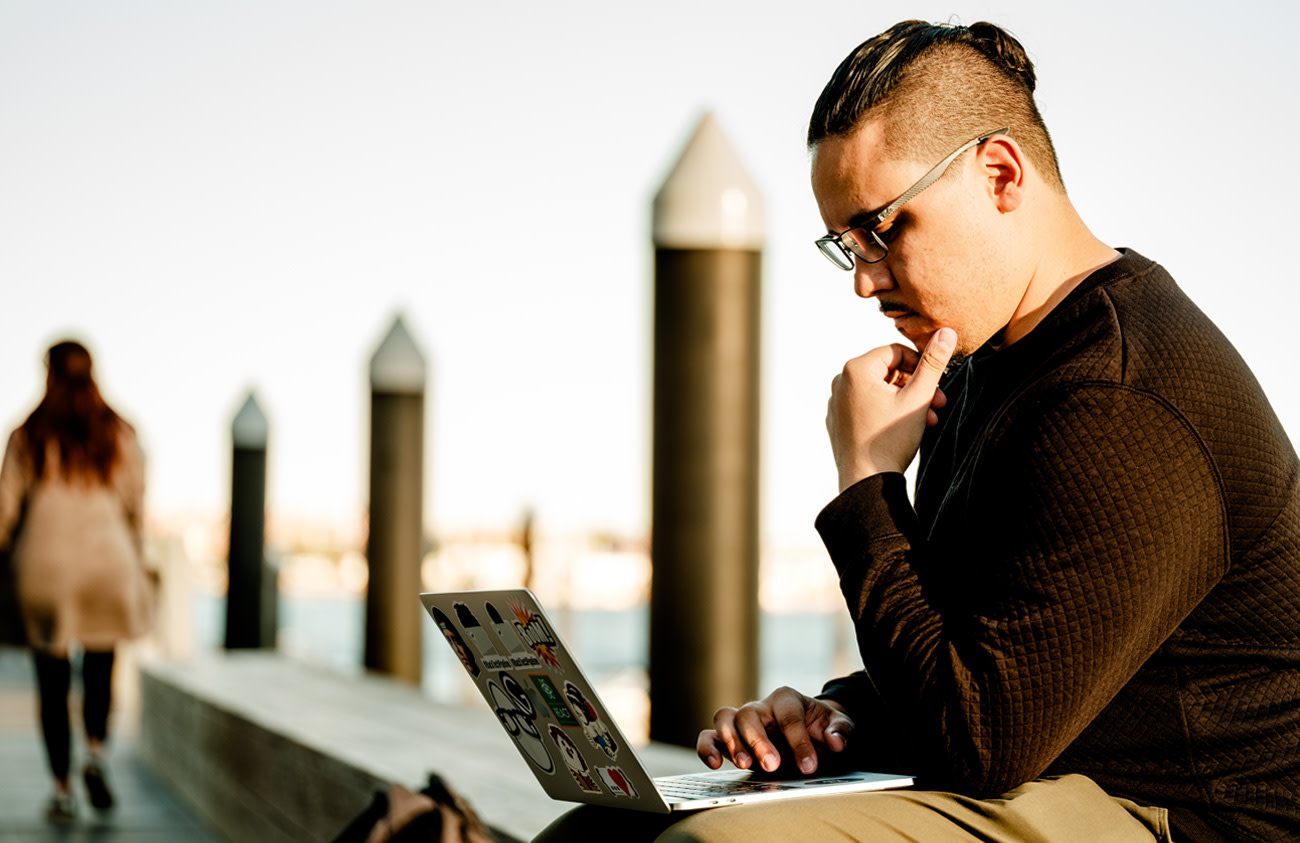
(540, 695)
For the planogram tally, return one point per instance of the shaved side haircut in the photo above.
(936, 86)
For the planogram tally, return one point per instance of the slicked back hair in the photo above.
(936, 86)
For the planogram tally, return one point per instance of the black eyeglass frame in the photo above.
(843, 250)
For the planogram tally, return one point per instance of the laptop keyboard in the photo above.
(687, 787)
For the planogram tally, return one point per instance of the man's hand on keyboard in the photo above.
(783, 727)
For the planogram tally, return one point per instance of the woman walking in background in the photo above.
(73, 476)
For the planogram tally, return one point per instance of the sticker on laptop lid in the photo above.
(617, 782)
(516, 712)
(518, 651)
(536, 635)
(554, 699)
(492, 656)
(458, 645)
(573, 759)
(589, 718)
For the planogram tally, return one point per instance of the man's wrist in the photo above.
(858, 473)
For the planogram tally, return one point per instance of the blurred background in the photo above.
(219, 197)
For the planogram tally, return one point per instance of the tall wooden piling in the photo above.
(251, 593)
(393, 546)
(708, 237)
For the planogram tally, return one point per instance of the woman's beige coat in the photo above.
(77, 555)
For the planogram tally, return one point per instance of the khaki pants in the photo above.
(1070, 809)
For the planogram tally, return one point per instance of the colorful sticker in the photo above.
(481, 639)
(554, 699)
(573, 760)
(536, 635)
(543, 711)
(458, 645)
(516, 712)
(593, 727)
(618, 784)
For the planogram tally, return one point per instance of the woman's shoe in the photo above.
(101, 798)
(62, 808)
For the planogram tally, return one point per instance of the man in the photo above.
(1087, 625)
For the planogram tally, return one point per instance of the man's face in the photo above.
(945, 266)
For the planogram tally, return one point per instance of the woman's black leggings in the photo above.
(54, 680)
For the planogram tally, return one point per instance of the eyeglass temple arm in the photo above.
(934, 174)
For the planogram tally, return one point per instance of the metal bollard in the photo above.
(708, 236)
(394, 544)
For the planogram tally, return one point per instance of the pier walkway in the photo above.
(252, 746)
(148, 811)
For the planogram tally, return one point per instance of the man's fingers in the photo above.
(761, 732)
(892, 364)
(724, 721)
(710, 748)
(791, 713)
(752, 722)
(728, 739)
(938, 351)
(836, 728)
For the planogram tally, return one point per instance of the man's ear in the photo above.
(1005, 164)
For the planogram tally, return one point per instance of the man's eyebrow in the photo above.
(865, 219)
(862, 219)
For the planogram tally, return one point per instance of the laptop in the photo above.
(533, 683)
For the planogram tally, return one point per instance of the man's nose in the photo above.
(871, 278)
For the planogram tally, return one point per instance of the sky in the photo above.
(220, 197)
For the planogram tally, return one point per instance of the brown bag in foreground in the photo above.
(436, 814)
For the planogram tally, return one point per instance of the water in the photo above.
(799, 650)
(795, 649)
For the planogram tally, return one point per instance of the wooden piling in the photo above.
(251, 594)
(708, 237)
(394, 543)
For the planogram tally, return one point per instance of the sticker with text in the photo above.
(520, 656)
(554, 699)
(481, 639)
(536, 635)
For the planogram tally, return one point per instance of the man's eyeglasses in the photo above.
(862, 242)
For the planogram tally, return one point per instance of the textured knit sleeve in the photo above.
(1087, 525)
(14, 479)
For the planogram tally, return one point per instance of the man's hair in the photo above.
(937, 86)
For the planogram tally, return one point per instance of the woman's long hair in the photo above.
(75, 416)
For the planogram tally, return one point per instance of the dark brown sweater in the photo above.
(1101, 573)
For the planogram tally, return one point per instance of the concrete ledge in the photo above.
(272, 750)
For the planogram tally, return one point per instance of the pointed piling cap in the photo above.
(250, 429)
(708, 200)
(398, 364)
